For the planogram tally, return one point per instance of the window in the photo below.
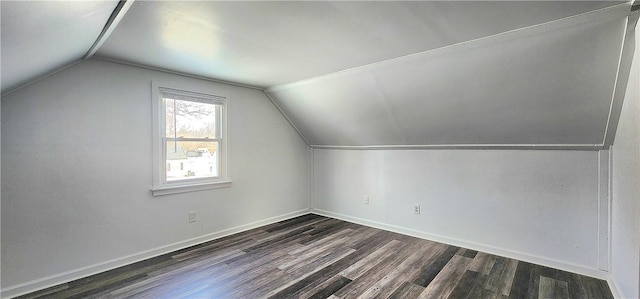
(189, 141)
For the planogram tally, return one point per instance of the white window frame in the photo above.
(160, 184)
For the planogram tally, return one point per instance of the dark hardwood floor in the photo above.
(318, 257)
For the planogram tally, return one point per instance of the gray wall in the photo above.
(536, 205)
(77, 148)
(625, 234)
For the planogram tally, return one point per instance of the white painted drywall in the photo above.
(528, 203)
(305, 39)
(76, 153)
(542, 88)
(625, 226)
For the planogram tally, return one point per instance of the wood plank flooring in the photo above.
(318, 257)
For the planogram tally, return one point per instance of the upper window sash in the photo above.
(216, 102)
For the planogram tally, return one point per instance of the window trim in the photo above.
(160, 185)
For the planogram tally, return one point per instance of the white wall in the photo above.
(530, 204)
(76, 153)
(625, 229)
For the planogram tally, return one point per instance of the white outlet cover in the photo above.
(416, 209)
(366, 200)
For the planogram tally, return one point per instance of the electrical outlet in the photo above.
(192, 217)
(416, 209)
(366, 200)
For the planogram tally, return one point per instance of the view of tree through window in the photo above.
(192, 138)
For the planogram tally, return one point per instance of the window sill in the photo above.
(159, 191)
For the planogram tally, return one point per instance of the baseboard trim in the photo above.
(580, 269)
(614, 287)
(53, 280)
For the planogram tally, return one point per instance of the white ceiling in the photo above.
(552, 88)
(359, 74)
(271, 43)
(39, 37)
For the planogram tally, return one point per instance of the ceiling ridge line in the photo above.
(610, 12)
(113, 21)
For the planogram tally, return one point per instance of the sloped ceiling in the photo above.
(41, 36)
(547, 89)
(373, 74)
(271, 43)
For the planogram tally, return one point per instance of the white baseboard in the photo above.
(539, 260)
(615, 288)
(49, 281)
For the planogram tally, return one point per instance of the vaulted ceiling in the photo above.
(41, 36)
(364, 74)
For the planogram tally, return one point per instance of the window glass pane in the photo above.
(190, 119)
(192, 160)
